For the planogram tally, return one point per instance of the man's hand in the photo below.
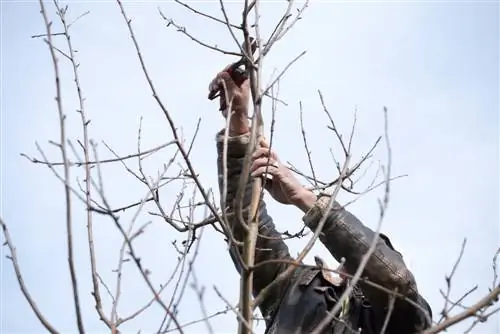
(234, 92)
(283, 187)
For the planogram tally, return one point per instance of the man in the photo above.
(299, 303)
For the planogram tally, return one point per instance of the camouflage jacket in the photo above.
(299, 303)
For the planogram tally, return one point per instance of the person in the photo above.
(300, 302)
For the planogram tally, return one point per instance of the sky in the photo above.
(435, 65)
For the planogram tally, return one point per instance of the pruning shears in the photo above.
(238, 70)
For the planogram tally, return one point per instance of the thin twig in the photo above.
(280, 29)
(494, 266)
(67, 190)
(82, 15)
(458, 302)
(117, 159)
(15, 263)
(183, 30)
(366, 257)
(190, 270)
(487, 300)
(168, 116)
(95, 283)
(45, 35)
(200, 294)
(152, 300)
(235, 310)
(445, 311)
(283, 72)
(306, 147)
(207, 15)
(144, 272)
(130, 237)
(213, 315)
(231, 32)
(390, 309)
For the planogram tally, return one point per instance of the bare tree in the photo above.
(180, 175)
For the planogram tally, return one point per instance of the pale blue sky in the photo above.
(435, 66)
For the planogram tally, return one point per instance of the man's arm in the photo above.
(270, 245)
(346, 237)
